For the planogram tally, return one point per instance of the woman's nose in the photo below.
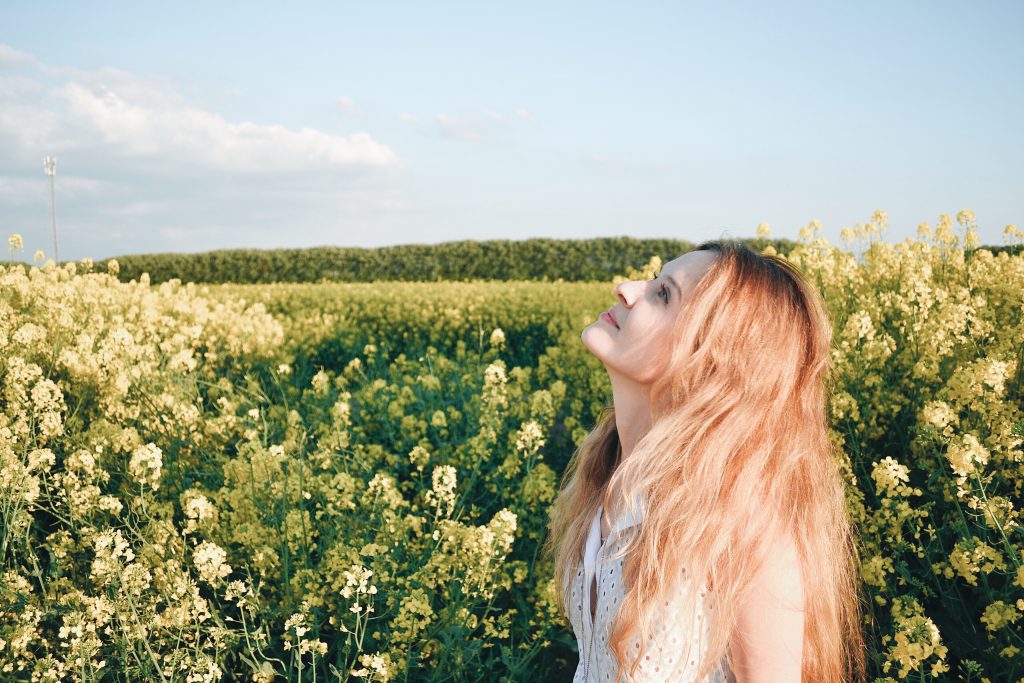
(625, 293)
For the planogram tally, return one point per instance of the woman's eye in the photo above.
(663, 290)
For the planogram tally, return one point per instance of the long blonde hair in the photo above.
(738, 457)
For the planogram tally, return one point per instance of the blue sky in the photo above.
(190, 126)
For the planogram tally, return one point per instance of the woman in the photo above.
(701, 532)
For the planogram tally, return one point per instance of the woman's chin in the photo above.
(593, 341)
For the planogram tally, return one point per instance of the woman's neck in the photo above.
(632, 412)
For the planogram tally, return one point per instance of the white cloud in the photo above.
(36, 191)
(347, 105)
(10, 55)
(463, 127)
(206, 138)
(456, 128)
(525, 114)
(496, 116)
(117, 115)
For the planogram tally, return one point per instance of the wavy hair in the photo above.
(737, 459)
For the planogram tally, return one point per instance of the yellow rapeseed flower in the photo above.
(966, 454)
(890, 477)
(999, 614)
(971, 556)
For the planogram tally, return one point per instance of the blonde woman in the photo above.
(701, 531)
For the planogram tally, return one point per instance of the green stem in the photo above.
(1006, 543)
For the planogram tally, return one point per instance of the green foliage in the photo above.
(530, 259)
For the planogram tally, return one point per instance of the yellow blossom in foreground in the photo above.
(209, 559)
(146, 465)
(940, 415)
(917, 640)
(357, 582)
(810, 231)
(495, 374)
(875, 569)
(971, 556)
(376, 667)
(966, 218)
(112, 552)
(890, 477)
(442, 493)
(320, 383)
(965, 454)
(998, 615)
(529, 439)
(419, 457)
(199, 511)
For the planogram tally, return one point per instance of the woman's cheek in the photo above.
(657, 361)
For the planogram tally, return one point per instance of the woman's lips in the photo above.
(610, 317)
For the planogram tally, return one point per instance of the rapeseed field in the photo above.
(319, 482)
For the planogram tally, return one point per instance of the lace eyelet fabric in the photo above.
(678, 641)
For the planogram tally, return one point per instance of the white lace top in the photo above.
(667, 658)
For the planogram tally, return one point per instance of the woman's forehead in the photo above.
(690, 266)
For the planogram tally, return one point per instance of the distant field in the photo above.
(530, 259)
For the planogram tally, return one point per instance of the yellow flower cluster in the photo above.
(966, 455)
(999, 614)
(375, 667)
(209, 559)
(971, 556)
(927, 404)
(497, 339)
(649, 271)
(916, 640)
(146, 465)
(891, 478)
(442, 493)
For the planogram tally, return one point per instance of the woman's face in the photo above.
(635, 341)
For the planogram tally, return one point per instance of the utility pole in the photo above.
(50, 166)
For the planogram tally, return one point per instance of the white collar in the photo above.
(628, 518)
